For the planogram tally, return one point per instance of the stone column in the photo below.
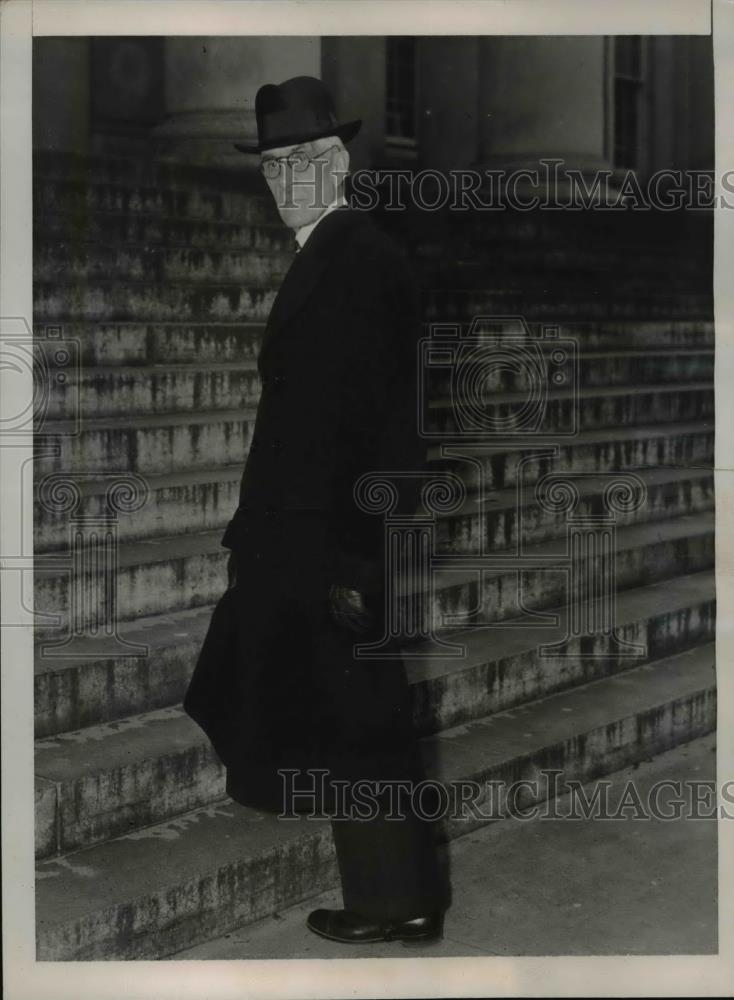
(61, 94)
(210, 88)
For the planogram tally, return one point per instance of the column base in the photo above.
(206, 137)
(563, 181)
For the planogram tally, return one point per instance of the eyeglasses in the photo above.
(298, 161)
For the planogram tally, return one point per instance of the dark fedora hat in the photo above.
(297, 110)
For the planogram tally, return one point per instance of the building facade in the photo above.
(644, 103)
(577, 570)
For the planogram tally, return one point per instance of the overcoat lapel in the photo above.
(305, 272)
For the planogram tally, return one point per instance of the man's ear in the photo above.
(343, 162)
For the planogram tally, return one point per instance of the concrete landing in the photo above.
(550, 886)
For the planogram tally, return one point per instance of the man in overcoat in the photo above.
(291, 709)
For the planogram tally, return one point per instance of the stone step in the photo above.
(135, 343)
(71, 261)
(635, 335)
(532, 224)
(636, 232)
(565, 277)
(105, 682)
(134, 248)
(101, 679)
(104, 169)
(163, 888)
(122, 230)
(488, 257)
(594, 368)
(173, 572)
(104, 390)
(499, 252)
(600, 451)
(494, 516)
(563, 412)
(81, 199)
(168, 442)
(110, 299)
(254, 256)
(646, 367)
(105, 780)
(148, 767)
(532, 227)
(203, 499)
(516, 517)
(101, 391)
(196, 500)
(152, 443)
(452, 304)
(468, 591)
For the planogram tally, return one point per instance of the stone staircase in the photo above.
(163, 275)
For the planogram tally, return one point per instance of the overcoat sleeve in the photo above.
(379, 418)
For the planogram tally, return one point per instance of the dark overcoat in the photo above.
(276, 684)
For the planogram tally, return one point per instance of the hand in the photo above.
(348, 608)
(231, 570)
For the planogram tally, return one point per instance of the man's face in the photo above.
(301, 195)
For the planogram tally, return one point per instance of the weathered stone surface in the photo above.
(141, 769)
(204, 499)
(500, 667)
(173, 572)
(205, 872)
(108, 301)
(120, 229)
(162, 275)
(80, 261)
(606, 450)
(141, 343)
(154, 443)
(449, 305)
(196, 500)
(569, 410)
(46, 817)
(165, 388)
(79, 198)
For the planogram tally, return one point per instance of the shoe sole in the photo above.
(407, 941)
(340, 940)
(413, 942)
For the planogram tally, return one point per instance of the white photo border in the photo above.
(25, 979)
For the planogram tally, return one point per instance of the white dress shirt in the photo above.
(304, 232)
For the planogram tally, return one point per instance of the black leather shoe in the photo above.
(352, 928)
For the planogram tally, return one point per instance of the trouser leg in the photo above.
(389, 868)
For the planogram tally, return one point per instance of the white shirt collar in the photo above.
(304, 232)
